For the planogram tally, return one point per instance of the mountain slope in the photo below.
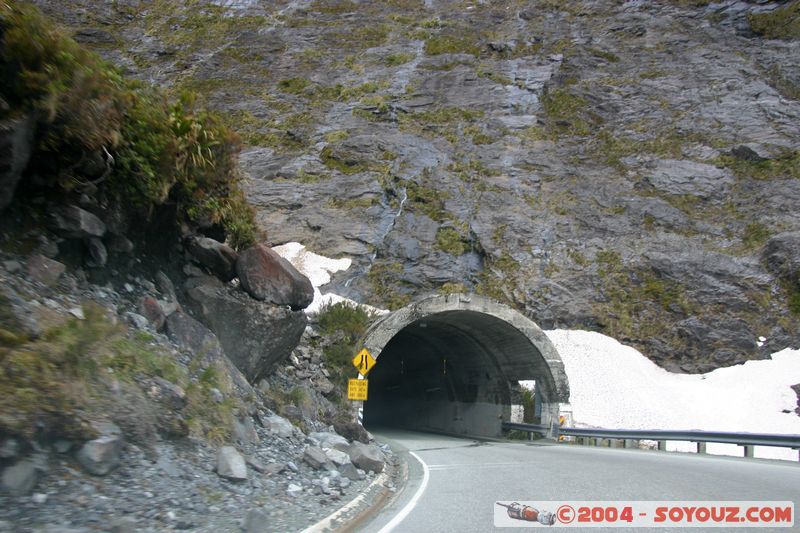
(621, 166)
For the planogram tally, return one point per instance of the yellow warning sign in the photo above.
(357, 389)
(363, 362)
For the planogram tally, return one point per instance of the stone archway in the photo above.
(446, 363)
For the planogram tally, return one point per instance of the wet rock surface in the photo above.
(552, 156)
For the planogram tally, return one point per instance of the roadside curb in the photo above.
(348, 517)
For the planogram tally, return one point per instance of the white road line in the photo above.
(404, 512)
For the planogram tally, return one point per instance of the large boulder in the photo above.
(16, 145)
(76, 223)
(330, 440)
(316, 458)
(218, 257)
(367, 456)
(277, 425)
(192, 335)
(40, 268)
(269, 277)
(256, 336)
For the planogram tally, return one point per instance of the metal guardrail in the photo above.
(746, 440)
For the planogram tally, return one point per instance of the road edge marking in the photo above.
(405, 511)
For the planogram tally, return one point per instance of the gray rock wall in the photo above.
(607, 165)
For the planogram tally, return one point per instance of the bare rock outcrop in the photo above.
(255, 335)
(269, 277)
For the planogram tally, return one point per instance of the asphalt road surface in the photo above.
(454, 483)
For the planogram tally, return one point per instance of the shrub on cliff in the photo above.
(780, 23)
(153, 152)
(343, 324)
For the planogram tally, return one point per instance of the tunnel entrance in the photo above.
(447, 363)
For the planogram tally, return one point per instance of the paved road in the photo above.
(466, 477)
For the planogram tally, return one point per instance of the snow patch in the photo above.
(615, 386)
(319, 269)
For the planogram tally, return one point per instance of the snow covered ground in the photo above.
(615, 386)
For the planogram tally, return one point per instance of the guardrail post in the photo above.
(662, 445)
(748, 450)
(629, 443)
(701, 447)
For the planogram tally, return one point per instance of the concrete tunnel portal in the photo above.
(446, 363)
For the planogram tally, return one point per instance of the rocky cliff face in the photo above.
(612, 165)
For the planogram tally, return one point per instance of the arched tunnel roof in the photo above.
(479, 334)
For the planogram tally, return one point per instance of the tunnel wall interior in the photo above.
(448, 366)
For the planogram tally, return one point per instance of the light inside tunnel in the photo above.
(451, 370)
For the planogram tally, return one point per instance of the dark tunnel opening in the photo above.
(450, 372)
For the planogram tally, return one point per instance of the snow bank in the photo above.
(318, 269)
(615, 386)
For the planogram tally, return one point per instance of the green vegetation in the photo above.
(784, 166)
(755, 234)
(794, 299)
(382, 278)
(528, 406)
(65, 378)
(667, 143)
(445, 122)
(452, 288)
(334, 8)
(781, 23)
(691, 3)
(565, 113)
(334, 163)
(577, 257)
(462, 43)
(785, 86)
(362, 37)
(360, 203)
(336, 136)
(393, 60)
(427, 200)
(638, 304)
(343, 325)
(451, 241)
(164, 151)
(604, 54)
(497, 279)
(187, 26)
(293, 85)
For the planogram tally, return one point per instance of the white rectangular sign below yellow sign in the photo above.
(357, 389)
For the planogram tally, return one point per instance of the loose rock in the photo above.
(20, 478)
(367, 456)
(231, 464)
(101, 455)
